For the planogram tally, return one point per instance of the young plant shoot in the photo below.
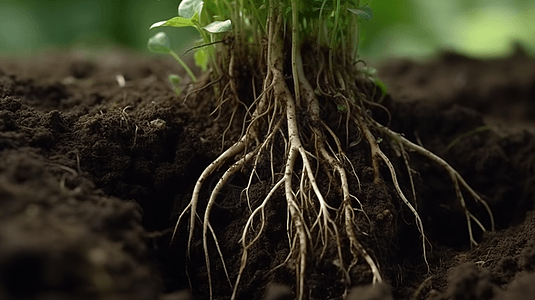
(287, 62)
(160, 43)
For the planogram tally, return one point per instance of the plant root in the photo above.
(457, 180)
(313, 224)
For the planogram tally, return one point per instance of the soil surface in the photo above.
(98, 157)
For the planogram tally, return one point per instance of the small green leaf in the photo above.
(365, 13)
(175, 22)
(219, 26)
(159, 43)
(188, 8)
(201, 59)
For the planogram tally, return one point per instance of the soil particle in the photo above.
(466, 282)
(380, 291)
(520, 288)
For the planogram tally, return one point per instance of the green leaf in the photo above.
(188, 8)
(365, 13)
(175, 22)
(159, 43)
(201, 59)
(219, 26)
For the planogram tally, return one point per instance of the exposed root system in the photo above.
(312, 149)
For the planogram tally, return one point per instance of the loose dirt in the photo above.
(94, 173)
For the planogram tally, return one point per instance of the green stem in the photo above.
(321, 26)
(184, 65)
(333, 38)
(258, 19)
(241, 23)
(357, 42)
(218, 6)
(210, 49)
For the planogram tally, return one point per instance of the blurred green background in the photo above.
(409, 28)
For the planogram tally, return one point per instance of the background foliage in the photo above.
(415, 28)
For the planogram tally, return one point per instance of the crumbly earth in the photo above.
(93, 176)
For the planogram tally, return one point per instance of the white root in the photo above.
(216, 164)
(357, 249)
(206, 222)
(264, 145)
(245, 245)
(456, 178)
(281, 93)
(419, 223)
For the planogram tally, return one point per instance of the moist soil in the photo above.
(99, 156)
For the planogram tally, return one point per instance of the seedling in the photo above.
(189, 15)
(312, 44)
(160, 43)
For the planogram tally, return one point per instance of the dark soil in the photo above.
(93, 177)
